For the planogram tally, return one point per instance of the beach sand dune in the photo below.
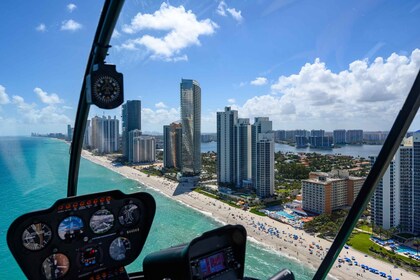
(272, 234)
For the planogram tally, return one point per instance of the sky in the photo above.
(304, 64)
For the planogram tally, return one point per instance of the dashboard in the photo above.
(85, 237)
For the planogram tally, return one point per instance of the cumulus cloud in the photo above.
(29, 112)
(160, 105)
(259, 81)
(224, 10)
(41, 28)
(365, 92)
(71, 7)
(182, 28)
(70, 25)
(4, 97)
(158, 118)
(47, 98)
(231, 100)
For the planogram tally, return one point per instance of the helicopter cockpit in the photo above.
(96, 236)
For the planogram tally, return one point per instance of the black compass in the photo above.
(104, 87)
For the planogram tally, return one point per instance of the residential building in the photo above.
(226, 146)
(339, 136)
(190, 96)
(326, 192)
(395, 202)
(172, 141)
(354, 136)
(243, 152)
(262, 140)
(131, 120)
(132, 134)
(105, 133)
(144, 149)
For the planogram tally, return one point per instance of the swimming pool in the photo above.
(285, 214)
(403, 249)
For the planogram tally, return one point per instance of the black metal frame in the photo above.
(395, 136)
(107, 21)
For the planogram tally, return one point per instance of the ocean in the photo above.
(33, 175)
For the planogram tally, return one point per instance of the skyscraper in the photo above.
(226, 146)
(190, 95)
(131, 119)
(105, 132)
(396, 201)
(172, 141)
(144, 149)
(354, 136)
(339, 136)
(263, 157)
(132, 134)
(243, 152)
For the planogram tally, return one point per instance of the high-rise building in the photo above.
(226, 146)
(322, 142)
(264, 180)
(69, 133)
(172, 141)
(190, 95)
(87, 139)
(354, 136)
(396, 201)
(317, 133)
(132, 134)
(105, 132)
(326, 192)
(144, 149)
(262, 140)
(339, 136)
(243, 152)
(131, 119)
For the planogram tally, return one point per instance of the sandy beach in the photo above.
(274, 235)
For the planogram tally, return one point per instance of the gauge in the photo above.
(36, 236)
(101, 221)
(129, 215)
(70, 228)
(89, 256)
(119, 248)
(55, 266)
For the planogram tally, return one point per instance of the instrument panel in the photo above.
(85, 237)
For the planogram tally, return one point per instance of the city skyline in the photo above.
(344, 70)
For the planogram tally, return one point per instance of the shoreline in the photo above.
(272, 235)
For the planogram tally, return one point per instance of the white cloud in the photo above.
(152, 119)
(231, 100)
(71, 7)
(259, 81)
(116, 34)
(47, 99)
(70, 25)
(222, 8)
(367, 93)
(4, 98)
(30, 114)
(182, 27)
(41, 28)
(160, 105)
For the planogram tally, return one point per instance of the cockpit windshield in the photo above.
(264, 114)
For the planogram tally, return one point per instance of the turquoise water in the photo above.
(403, 249)
(285, 214)
(33, 174)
